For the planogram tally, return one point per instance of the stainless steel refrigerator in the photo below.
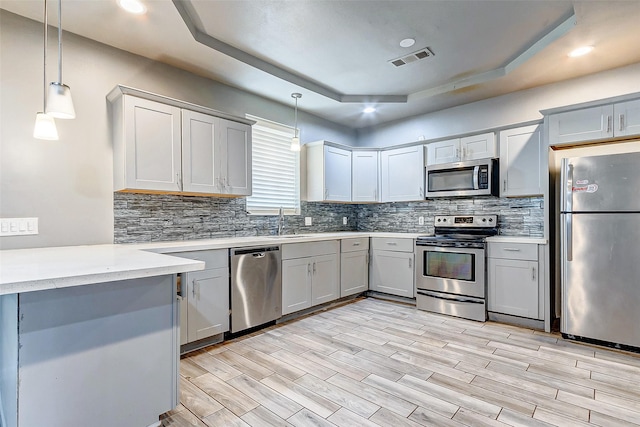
(600, 249)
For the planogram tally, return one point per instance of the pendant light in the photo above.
(45, 127)
(60, 104)
(295, 141)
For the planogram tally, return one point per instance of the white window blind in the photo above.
(276, 170)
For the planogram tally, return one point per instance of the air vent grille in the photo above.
(412, 57)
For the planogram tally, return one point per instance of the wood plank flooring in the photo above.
(378, 363)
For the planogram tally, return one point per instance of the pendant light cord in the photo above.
(44, 74)
(59, 41)
(295, 126)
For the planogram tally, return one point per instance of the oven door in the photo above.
(459, 271)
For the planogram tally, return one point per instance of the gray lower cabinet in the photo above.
(354, 266)
(310, 274)
(205, 296)
(515, 279)
(392, 266)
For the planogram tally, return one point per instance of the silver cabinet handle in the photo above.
(458, 153)
(178, 181)
(193, 288)
(609, 124)
(504, 185)
(464, 153)
(356, 244)
(512, 249)
(314, 267)
(421, 192)
(621, 121)
(309, 269)
(533, 273)
(392, 244)
(410, 266)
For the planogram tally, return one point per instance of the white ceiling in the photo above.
(334, 51)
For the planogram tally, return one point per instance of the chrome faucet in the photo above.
(280, 221)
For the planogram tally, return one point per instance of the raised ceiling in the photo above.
(336, 53)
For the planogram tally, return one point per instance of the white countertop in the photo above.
(518, 239)
(28, 270)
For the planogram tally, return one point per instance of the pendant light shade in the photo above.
(59, 102)
(45, 127)
(295, 141)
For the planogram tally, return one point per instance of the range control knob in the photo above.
(439, 220)
(490, 219)
(484, 219)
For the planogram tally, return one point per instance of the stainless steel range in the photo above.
(451, 266)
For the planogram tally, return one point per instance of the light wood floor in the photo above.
(378, 363)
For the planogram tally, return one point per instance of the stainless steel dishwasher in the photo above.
(256, 286)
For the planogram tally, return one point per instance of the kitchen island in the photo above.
(89, 336)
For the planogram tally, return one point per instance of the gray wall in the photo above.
(68, 184)
(506, 110)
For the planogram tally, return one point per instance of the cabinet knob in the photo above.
(621, 121)
(533, 273)
(609, 124)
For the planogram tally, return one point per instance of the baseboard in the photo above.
(518, 321)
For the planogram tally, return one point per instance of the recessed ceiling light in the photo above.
(580, 51)
(369, 110)
(407, 42)
(133, 6)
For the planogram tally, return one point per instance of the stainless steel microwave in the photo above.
(470, 178)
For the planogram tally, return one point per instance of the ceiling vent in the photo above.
(412, 57)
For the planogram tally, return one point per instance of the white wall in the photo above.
(67, 184)
(513, 108)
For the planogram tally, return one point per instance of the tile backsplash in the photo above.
(151, 217)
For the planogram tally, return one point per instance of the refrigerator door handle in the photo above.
(569, 190)
(569, 236)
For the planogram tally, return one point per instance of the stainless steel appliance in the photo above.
(451, 266)
(256, 286)
(470, 178)
(600, 249)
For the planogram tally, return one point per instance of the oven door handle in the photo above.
(456, 299)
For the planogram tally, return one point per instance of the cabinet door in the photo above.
(402, 174)
(443, 152)
(581, 125)
(478, 146)
(521, 162)
(200, 153)
(392, 273)
(208, 303)
(325, 283)
(235, 141)
(152, 145)
(627, 118)
(513, 287)
(354, 273)
(337, 174)
(184, 321)
(296, 284)
(364, 182)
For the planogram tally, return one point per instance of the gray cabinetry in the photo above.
(365, 177)
(205, 296)
(392, 266)
(402, 174)
(328, 172)
(473, 147)
(310, 274)
(516, 277)
(522, 160)
(354, 266)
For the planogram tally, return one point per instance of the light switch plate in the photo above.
(18, 226)
(344, 220)
(307, 220)
(421, 220)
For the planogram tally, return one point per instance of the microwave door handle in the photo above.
(476, 173)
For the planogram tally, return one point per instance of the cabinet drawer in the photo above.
(392, 244)
(218, 258)
(355, 244)
(301, 250)
(524, 251)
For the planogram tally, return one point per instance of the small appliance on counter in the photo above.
(451, 266)
(600, 242)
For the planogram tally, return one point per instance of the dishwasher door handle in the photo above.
(258, 255)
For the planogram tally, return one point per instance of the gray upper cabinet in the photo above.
(328, 172)
(600, 122)
(522, 162)
(160, 147)
(482, 146)
(402, 174)
(364, 173)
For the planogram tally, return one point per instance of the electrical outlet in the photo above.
(344, 220)
(18, 226)
(307, 220)
(421, 220)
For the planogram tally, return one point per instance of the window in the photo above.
(276, 170)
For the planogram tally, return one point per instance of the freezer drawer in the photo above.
(601, 276)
